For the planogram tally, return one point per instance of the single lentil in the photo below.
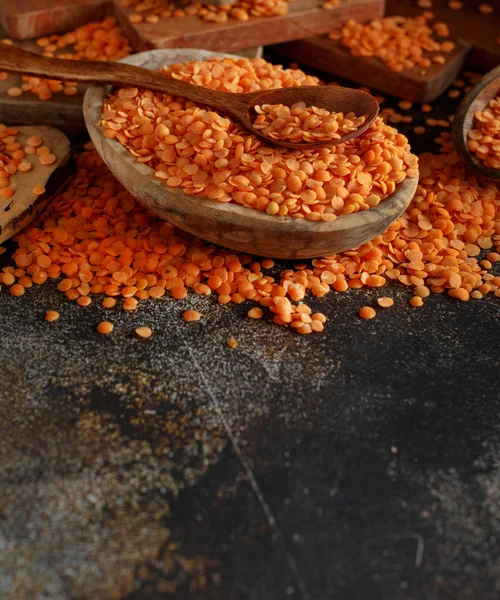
(105, 327)
(191, 316)
(385, 302)
(52, 315)
(144, 332)
(367, 312)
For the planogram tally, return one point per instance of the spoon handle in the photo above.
(16, 60)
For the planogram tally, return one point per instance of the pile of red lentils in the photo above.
(400, 42)
(95, 240)
(207, 154)
(300, 123)
(484, 137)
(100, 40)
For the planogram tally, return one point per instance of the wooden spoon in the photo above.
(239, 106)
(236, 227)
(21, 208)
(487, 88)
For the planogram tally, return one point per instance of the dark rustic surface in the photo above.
(360, 464)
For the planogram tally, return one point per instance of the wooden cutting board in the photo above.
(474, 34)
(24, 19)
(305, 17)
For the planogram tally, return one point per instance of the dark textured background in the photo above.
(358, 464)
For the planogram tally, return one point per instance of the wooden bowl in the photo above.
(230, 225)
(477, 99)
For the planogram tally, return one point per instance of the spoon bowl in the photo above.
(239, 228)
(331, 98)
(478, 97)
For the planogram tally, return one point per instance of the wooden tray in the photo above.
(305, 18)
(413, 84)
(64, 112)
(24, 19)
(474, 34)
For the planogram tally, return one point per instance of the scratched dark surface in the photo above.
(360, 464)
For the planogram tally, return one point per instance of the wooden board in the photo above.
(305, 18)
(21, 208)
(474, 34)
(413, 84)
(64, 112)
(24, 19)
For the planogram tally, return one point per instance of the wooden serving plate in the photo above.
(20, 209)
(236, 227)
(487, 88)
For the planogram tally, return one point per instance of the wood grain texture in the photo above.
(239, 106)
(21, 208)
(305, 18)
(230, 225)
(412, 84)
(63, 112)
(477, 99)
(24, 19)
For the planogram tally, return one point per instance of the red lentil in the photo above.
(105, 327)
(385, 302)
(416, 301)
(191, 315)
(52, 315)
(367, 312)
(144, 332)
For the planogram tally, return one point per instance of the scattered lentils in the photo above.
(100, 40)
(400, 42)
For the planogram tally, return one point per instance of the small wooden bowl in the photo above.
(477, 99)
(230, 225)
